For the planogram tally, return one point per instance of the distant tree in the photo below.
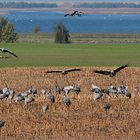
(36, 29)
(7, 31)
(3, 23)
(0, 34)
(61, 33)
(27, 5)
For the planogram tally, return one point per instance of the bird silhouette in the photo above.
(2, 123)
(74, 13)
(107, 107)
(66, 100)
(128, 94)
(51, 97)
(3, 50)
(63, 71)
(45, 108)
(79, 13)
(111, 73)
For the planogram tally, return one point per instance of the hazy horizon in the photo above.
(136, 1)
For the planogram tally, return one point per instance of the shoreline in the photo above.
(4, 11)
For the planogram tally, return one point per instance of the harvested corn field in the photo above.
(83, 119)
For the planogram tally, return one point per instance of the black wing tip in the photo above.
(73, 69)
(76, 69)
(126, 65)
(48, 72)
(96, 71)
(66, 15)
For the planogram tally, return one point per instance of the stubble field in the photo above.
(84, 119)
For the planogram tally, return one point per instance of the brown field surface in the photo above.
(84, 119)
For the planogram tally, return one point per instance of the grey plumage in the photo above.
(51, 97)
(66, 100)
(29, 90)
(19, 97)
(97, 92)
(28, 99)
(112, 89)
(2, 96)
(107, 107)
(45, 108)
(77, 89)
(97, 96)
(2, 123)
(4, 90)
(34, 92)
(95, 88)
(1, 92)
(43, 91)
(137, 89)
(58, 89)
(123, 89)
(11, 95)
(67, 89)
(24, 94)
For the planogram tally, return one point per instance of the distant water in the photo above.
(88, 23)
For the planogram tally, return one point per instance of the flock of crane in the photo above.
(29, 95)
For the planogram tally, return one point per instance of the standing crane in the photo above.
(2, 123)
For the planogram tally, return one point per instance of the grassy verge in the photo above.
(36, 54)
(98, 38)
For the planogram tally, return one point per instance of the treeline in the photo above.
(78, 5)
(27, 5)
(107, 5)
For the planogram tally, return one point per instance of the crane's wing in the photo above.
(74, 13)
(95, 87)
(1, 49)
(120, 68)
(80, 12)
(102, 72)
(10, 52)
(66, 15)
(54, 71)
(69, 70)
